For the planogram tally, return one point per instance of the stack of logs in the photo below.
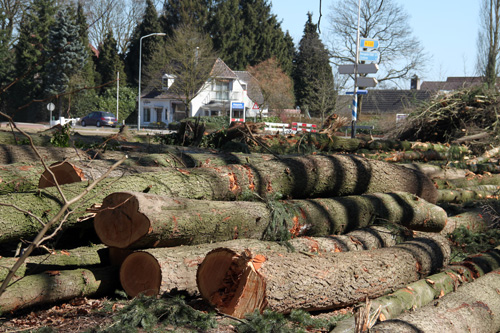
(191, 229)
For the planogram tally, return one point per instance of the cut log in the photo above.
(12, 153)
(474, 307)
(463, 195)
(476, 220)
(422, 292)
(437, 171)
(239, 283)
(58, 260)
(57, 286)
(141, 220)
(177, 265)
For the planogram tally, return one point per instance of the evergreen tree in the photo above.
(66, 52)
(226, 29)
(246, 33)
(150, 24)
(6, 67)
(312, 72)
(87, 76)
(194, 13)
(109, 62)
(31, 56)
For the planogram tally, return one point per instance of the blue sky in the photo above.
(447, 29)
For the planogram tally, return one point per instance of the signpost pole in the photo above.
(355, 97)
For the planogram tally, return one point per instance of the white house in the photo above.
(234, 93)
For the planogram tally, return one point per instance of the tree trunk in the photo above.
(422, 292)
(463, 195)
(476, 220)
(140, 220)
(58, 259)
(11, 153)
(437, 171)
(177, 266)
(56, 286)
(236, 285)
(475, 307)
(468, 181)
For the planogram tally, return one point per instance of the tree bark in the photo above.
(140, 220)
(475, 307)
(437, 171)
(236, 285)
(177, 265)
(422, 292)
(463, 195)
(10, 153)
(58, 259)
(56, 286)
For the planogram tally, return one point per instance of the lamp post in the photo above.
(356, 61)
(140, 60)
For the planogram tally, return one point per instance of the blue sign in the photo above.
(369, 56)
(238, 105)
(359, 92)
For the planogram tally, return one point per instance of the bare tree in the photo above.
(488, 41)
(275, 85)
(189, 59)
(118, 16)
(11, 13)
(401, 54)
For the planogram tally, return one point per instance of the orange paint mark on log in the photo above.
(408, 291)
(226, 218)
(258, 260)
(184, 172)
(295, 231)
(176, 225)
(66, 253)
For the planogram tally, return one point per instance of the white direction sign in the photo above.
(372, 56)
(367, 82)
(362, 69)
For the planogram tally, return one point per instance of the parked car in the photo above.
(99, 118)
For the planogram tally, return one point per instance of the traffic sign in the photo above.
(237, 105)
(362, 69)
(366, 82)
(255, 106)
(365, 43)
(372, 56)
(358, 92)
(51, 107)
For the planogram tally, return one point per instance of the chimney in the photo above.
(415, 83)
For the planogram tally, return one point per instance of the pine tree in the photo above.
(313, 73)
(109, 62)
(245, 33)
(30, 58)
(226, 29)
(150, 24)
(66, 52)
(193, 13)
(6, 66)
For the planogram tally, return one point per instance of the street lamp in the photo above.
(140, 60)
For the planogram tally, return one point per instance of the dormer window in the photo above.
(167, 80)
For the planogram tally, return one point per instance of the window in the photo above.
(147, 115)
(221, 88)
(237, 113)
(212, 113)
(179, 111)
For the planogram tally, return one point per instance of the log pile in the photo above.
(349, 228)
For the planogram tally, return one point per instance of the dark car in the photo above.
(99, 118)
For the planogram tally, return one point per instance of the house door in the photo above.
(159, 112)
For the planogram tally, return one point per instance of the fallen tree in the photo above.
(162, 270)
(423, 292)
(143, 220)
(474, 307)
(56, 260)
(56, 286)
(239, 283)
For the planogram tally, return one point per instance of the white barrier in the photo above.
(279, 127)
(305, 127)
